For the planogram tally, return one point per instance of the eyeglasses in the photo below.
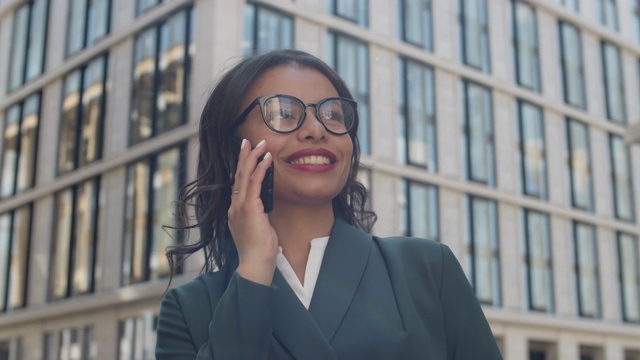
(285, 113)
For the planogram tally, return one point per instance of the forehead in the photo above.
(307, 84)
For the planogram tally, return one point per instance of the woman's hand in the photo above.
(253, 235)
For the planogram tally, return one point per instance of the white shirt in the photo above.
(304, 292)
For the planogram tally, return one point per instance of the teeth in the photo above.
(311, 160)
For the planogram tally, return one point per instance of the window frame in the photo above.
(629, 180)
(433, 199)
(488, 130)
(362, 16)
(70, 291)
(126, 277)
(85, 42)
(79, 118)
(430, 140)
(496, 291)
(549, 270)
(608, 83)
(590, 198)
(563, 64)
(543, 194)
(596, 276)
(537, 86)
(485, 41)
(636, 275)
(9, 288)
(254, 27)
(426, 11)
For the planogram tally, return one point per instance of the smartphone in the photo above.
(266, 190)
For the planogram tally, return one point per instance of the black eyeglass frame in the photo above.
(261, 100)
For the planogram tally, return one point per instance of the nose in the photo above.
(312, 128)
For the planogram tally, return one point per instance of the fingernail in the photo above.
(266, 156)
(244, 142)
(260, 143)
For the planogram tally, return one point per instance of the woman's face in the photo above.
(311, 164)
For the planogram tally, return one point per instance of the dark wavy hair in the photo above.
(203, 203)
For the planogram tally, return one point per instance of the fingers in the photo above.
(250, 171)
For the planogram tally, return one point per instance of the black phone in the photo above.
(266, 191)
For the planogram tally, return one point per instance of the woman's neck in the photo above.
(296, 226)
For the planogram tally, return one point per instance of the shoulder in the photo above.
(412, 249)
(203, 288)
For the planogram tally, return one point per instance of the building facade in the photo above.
(506, 129)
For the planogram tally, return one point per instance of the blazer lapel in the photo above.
(294, 327)
(343, 264)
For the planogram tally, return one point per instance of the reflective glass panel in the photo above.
(171, 71)
(62, 244)
(572, 65)
(37, 38)
(532, 147)
(144, 68)
(614, 83)
(423, 211)
(539, 271)
(69, 122)
(28, 143)
(19, 260)
(85, 216)
(76, 25)
(92, 111)
(420, 115)
(19, 47)
(479, 127)
(10, 151)
(484, 250)
(587, 270)
(629, 277)
(416, 23)
(135, 237)
(580, 165)
(165, 182)
(474, 30)
(622, 186)
(526, 45)
(5, 253)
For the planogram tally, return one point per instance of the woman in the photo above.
(305, 281)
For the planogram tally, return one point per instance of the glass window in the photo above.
(75, 240)
(88, 22)
(478, 125)
(419, 210)
(621, 175)
(83, 107)
(19, 149)
(417, 104)
(15, 238)
(526, 45)
(484, 250)
(352, 10)
(571, 4)
(137, 337)
(629, 277)
(28, 42)
(266, 29)
(152, 187)
(613, 83)
(474, 34)
(533, 150)
(538, 261)
(71, 344)
(350, 58)
(586, 267)
(143, 5)
(608, 13)
(579, 165)
(11, 349)
(364, 177)
(416, 23)
(160, 77)
(572, 65)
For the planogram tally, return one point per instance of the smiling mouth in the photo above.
(311, 160)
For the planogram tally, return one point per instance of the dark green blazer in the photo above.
(375, 298)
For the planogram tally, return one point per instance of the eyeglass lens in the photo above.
(284, 114)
